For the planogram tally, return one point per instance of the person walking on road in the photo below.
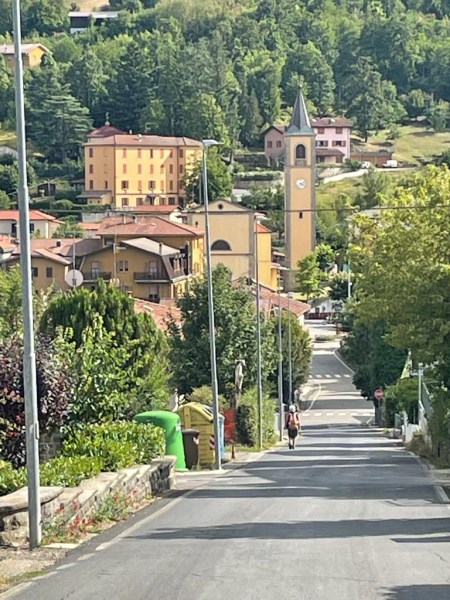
(292, 425)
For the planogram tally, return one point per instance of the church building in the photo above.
(299, 179)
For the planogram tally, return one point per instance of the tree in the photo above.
(45, 17)
(69, 229)
(325, 256)
(309, 276)
(10, 302)
(301, 353)
(203, 118)
(88, 81)
(438, 115)
(235, 321)
(374, 186)
(372, 102)
(6, 89)
(338, 287)
(5, 201)
(220, 179)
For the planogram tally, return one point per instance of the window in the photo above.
(124, 184)
(123, 266)
(300, 152)
(161, 170)
(151, 200)
(151, 153)
(139, 186)
(153, 268)
(181, 153)
(91, 184)
(171, 154)
(140, 201)
(91, 169)
(153, 293)
(139, 169)
(139, 153)
(91, 152)
(152, 169)
(220, 245)
(172, 201)
(170, 186)
(300, 215)
(124, 153)
(95, 269)
(339, 129)
(339, 143)
(278, 144)
(161, 153)
(171, 169)
(161, 187)
(124, 169)
(162, 201)
(322, 143)
(34, 271)
(269, 144)
(49, 272)
(181, 169)
(106, 185)
(125, 202)
(321, 130)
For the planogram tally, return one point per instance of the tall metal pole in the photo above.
(290, 349)
(29, 359)
(258, 343)
(280, 366)
(349, 281)
(212, 332)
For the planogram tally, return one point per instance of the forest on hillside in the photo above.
(227, 68)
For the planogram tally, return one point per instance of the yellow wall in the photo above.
(110, 165)
(30, 59)
(235, 225)
(42, 229)
(57, 278)
(138, 262)
(300, 234)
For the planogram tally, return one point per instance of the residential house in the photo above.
(79, 20)
(273, 301)
(332, 138)
(134, 171)
(31, 54)
(233, 230)
(162, 314)
(41, 224)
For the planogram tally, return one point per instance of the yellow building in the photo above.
(233, 230)
(31, 54)
(134, 170)
(48, 268)
(299, 176)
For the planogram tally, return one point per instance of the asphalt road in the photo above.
(348, 515)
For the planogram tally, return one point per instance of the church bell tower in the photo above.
(299, 195)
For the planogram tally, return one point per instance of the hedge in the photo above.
(247, 419)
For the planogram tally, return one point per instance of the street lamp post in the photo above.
(290, 348)
(29, 358)
(212, 333)
(280, 360)
(258, 340)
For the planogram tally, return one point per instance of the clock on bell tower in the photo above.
(299, 195)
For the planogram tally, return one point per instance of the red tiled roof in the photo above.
(35, 215)
(133, 139)
(161, 313)
(140, 226)
(42, 253)
(261, 228)
(8, 49)
(90, 226)
(105, 131)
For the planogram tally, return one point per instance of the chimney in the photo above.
(160, 248)
(123, 219)
(134, 218)
(58, 243)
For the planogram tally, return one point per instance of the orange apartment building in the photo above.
(133, 170)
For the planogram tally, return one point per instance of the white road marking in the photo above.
(347, 375)
(328, 376)
(318, 376)
(337, 375)
(317, 414)
(330, 414)
(343, 363)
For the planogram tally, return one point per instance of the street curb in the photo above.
(428, 470)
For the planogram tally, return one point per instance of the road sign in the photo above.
(378, 394)
(74, 278)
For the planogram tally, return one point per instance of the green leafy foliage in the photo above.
(247, 418)
(11, 479)
(117, 445)
(309, 276)
(220, 180)
(402, 396)
(235, 320)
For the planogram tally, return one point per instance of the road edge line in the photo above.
(335, 352)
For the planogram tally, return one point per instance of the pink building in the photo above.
(332, 140)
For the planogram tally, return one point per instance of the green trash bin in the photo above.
(171, 424)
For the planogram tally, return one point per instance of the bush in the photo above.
(69, 471)
(247, 419)
(118, 445)
(11, 479)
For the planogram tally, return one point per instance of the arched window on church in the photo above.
(300, 152)
(221, 245)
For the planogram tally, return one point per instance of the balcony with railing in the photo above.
(156, 276)
(96, 275)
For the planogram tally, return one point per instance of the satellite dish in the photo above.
(74, 278)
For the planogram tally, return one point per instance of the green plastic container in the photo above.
(171, 424)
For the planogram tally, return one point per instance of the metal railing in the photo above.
(95, 275)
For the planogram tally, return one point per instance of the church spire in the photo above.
(300, 118)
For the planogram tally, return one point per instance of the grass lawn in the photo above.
(88, 4)
(8, 138)
(416, 143)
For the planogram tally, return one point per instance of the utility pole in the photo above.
(29, 358)
(212, 332)
(258, 341)
(280, 365)
(290, 349)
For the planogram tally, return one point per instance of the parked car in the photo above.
(390, 164)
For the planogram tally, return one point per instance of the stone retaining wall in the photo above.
(80, 502)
